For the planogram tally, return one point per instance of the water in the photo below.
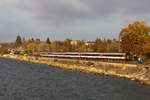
(26, 81)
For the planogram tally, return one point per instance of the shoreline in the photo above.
(140, 73)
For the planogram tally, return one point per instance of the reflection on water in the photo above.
(25, 81)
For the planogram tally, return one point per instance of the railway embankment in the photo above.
(140, 73)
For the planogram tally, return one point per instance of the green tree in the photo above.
(48, 41)
(32, 40)
(18, 41)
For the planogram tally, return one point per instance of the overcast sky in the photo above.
(75, 19)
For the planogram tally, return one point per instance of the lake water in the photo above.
(27, 81)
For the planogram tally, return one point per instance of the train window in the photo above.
(91, 54)
(72, 54)
(115, 55)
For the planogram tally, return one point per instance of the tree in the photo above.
(32, 40)
(37, 41)
(67, 47)
(31, 47)
(48, 41)
(24, 43)
(4, 48)
(114, 46)
(43, 47)
(133, 38)
(18, 41)
(98, 44)
(81, 47)
(56, 46)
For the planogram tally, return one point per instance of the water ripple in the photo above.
(27, 81)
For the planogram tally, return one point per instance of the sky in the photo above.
(74, 19)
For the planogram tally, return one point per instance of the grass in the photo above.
(147, 60)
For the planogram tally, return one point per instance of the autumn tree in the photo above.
(67, 47)
(102, 45)
(97, 45)
(24, 43)
(114, 46)
(37, 41)
(81, 47)
(108, 45)
(133, 38)
(5, 47)
(31, 47)
(44, 47)
(56, 46)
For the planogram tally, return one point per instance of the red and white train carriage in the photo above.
(108, 56)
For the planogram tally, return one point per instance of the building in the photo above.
(89, 43)
(74, 42)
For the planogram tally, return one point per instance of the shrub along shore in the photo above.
(140, 73)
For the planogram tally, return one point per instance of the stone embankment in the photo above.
(136, 72)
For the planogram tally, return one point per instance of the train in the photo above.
(72, 55)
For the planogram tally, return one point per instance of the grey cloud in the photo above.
(52, 10)
(89, 16)
(60, 11)
(136, 7)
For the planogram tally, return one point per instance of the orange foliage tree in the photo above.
(67, 47)
(134, 37)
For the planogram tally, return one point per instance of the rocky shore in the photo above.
(140, 73)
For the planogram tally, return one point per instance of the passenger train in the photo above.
(102, 56)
